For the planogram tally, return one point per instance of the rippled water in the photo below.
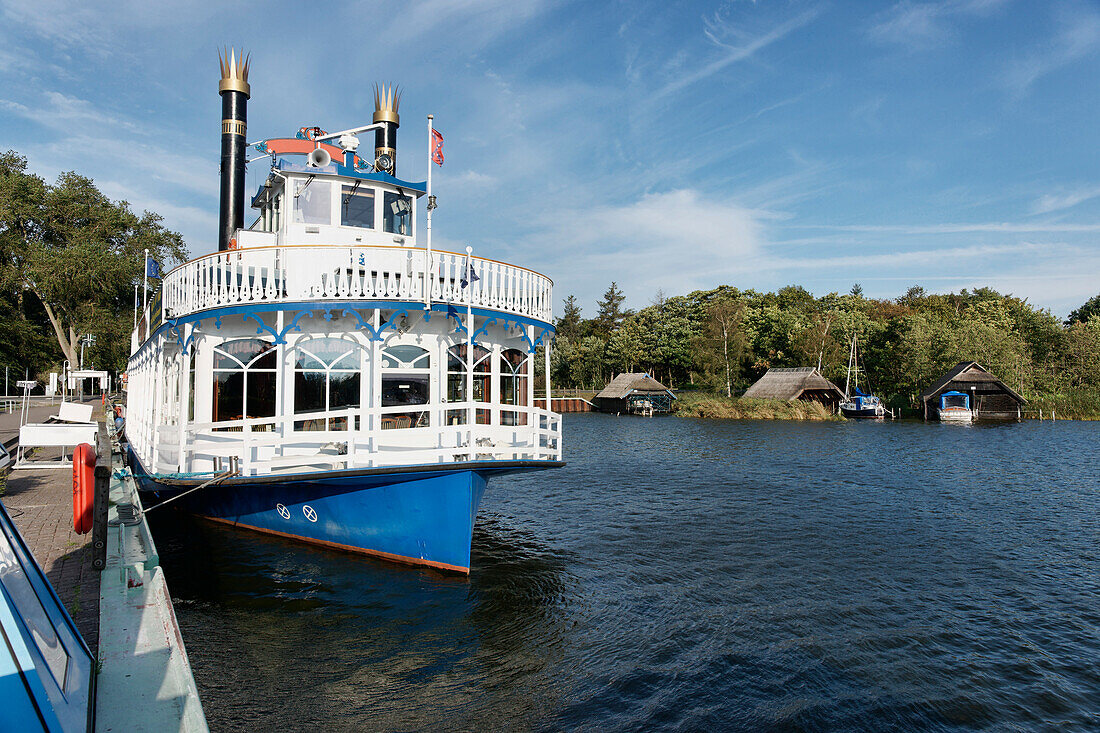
(689, 575)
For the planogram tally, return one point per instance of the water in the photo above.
(689, 575)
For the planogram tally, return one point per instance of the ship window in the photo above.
(406, 381)
(406, 357)
(326, 379)
(244, 381)
(357, 207)
(397, 214)
(513, 385)
(456, 382)
(313, 203)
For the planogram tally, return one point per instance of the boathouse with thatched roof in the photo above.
(635, 392)
(799, 383)
(990, 398)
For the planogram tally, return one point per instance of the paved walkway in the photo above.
(40, 502)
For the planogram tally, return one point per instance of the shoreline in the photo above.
(717, 407)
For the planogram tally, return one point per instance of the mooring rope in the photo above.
(211, 482)
(122, 473)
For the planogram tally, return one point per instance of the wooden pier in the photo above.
(566, 404)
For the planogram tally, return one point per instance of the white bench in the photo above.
(73, 412)
(53, 435)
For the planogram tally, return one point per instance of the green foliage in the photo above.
(610, 313)
(724, 339)
(77, 254)
(1088, 310)
(569, 325)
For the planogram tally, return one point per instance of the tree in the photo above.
(610, 312)
(78, 253)
(723, 340)
(1085, 312)
(624, 348)
(569, 325)
(856, 291)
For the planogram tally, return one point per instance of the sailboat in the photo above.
(858, 404)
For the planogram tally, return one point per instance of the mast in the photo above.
(851, 355)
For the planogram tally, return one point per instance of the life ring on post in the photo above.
(84, 460)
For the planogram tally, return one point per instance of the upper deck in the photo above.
(336, 234)
(331, 273)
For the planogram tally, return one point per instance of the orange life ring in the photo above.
(84, 460)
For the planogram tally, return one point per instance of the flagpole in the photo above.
(135, 306)
(145, 281)
(428, 269)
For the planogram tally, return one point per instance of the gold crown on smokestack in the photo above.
(386, 102)
(234, 72)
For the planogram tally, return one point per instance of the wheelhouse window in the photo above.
(312, 202)
(357, 207)
(244, 381)
(456, 382)
(513, 385)
(326, 379)
(406, 382)
(397, 214)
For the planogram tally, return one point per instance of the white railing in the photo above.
(367, 438)
(307, 272)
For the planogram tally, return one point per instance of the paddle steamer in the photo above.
(324, 377)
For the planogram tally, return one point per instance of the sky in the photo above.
(665, 146)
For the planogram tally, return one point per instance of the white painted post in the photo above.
(469, 350)
(185, 393)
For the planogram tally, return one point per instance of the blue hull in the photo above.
(420, 516)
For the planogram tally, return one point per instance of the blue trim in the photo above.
(303, 307)
(337, 169)
(964, 395)
(484, 328)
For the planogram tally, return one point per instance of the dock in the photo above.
(124, 611)
(566, 404)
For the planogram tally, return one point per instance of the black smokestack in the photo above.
(234, 91)
(386, 102)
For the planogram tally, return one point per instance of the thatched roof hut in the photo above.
(635, 392)
(990, 398)
(799, 383)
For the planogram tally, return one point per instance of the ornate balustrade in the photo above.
(264, 445)
(320, 273)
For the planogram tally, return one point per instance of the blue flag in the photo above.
(152, 268)
(470, 276)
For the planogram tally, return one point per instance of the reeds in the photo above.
(712, 406)
(1081, 405)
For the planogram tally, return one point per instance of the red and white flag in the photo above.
(437, 147)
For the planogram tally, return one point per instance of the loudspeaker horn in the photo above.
(319, 158)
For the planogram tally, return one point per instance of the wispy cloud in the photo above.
(929, 256)
(1066, 200)
(679, 240)
(953, 228)
(923, 25)
(1077, 36)
(739, 53)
